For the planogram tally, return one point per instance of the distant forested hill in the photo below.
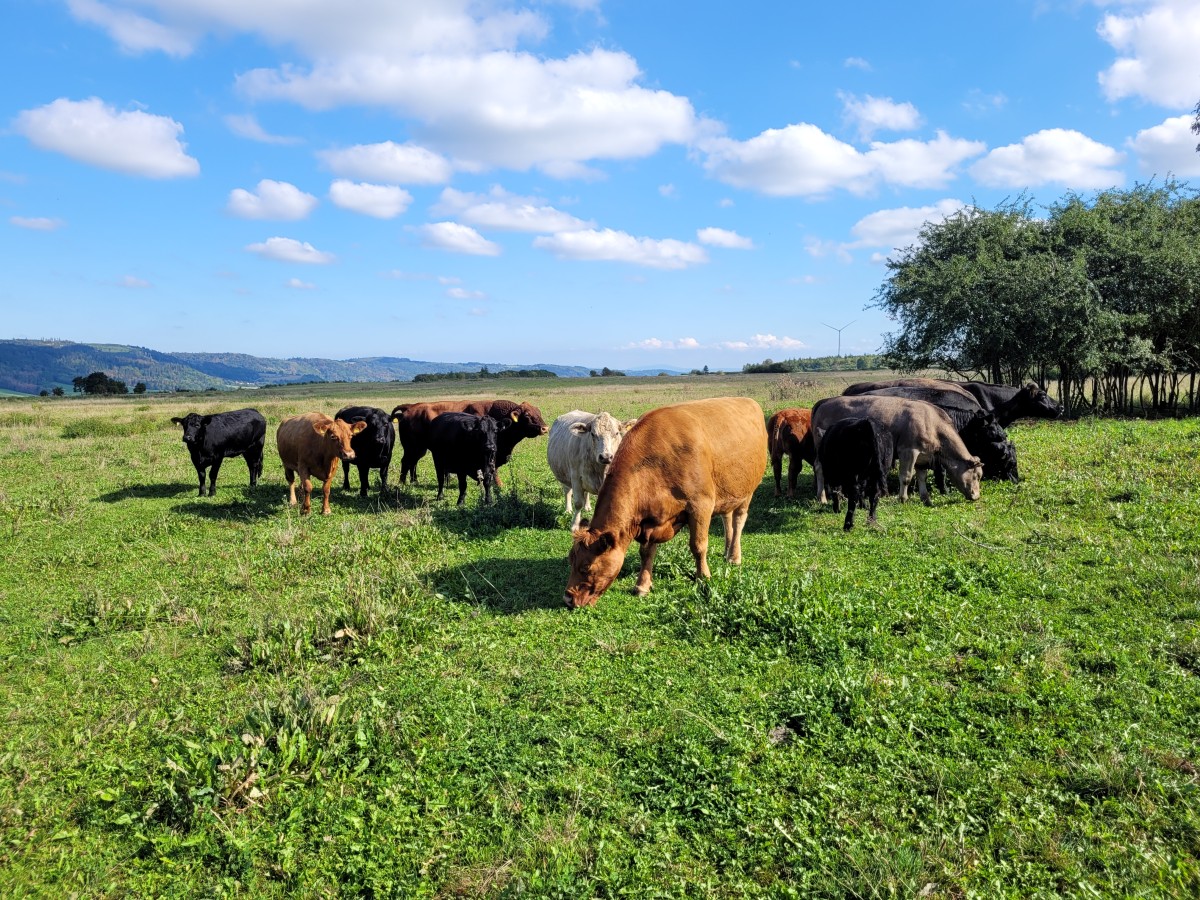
(30, 367)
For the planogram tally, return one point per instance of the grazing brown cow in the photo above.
(310, 446)
(675, 468)
(785, 435)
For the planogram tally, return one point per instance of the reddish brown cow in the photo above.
(675, 468)
(412, 427)
(785, 435)
(310, 446)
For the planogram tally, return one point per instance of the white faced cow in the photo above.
(580, 448)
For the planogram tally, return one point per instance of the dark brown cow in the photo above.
(675, 468)
(310, 446)
(785, 436)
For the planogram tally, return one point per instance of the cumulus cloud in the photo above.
(898, 228)
(382, 201)
(857, 62)
(297, 285)
(871, 114)
(290, 250)
(1052, 156)
(132, 32)
(617, 246)
(1167, 148)
(803, 160)
(1156, 53)
(37, 223)
(92, 132)
(390, 162)
(457, 238)
(459, 293)
(503, 211)
(247, 126)
(271, 200)
(719, 237)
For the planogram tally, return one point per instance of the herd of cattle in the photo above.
(674, 467)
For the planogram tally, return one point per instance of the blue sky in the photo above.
(591, 182)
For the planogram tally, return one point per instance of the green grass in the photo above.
(211, 696)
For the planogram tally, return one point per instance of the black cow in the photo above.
(212, 438)
(464, 445)
(977, 427)
(856, 455)
(372, 446)
(1012, 403)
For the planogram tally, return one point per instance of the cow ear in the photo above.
(579, 428)
(177, 420)
(322, 430)
(358, 426)
(605, 541)
(976, 462)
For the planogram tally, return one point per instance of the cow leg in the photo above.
(346, 478)
(874, 501)
(819, 477)
(698, 525)
(212, 475)
(795, 465)
(908, 466)
(734, 523)
(462, 488)
(290, 475)
(852, 501)
(646, 574)
(777, 469)
(364, 479)
(939, 477)
(306, 490)
(200, 475)
(922, 487)
(254, 460)
(383, 473)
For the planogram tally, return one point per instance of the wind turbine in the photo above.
(839, 331)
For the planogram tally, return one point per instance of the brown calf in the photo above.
(310, 446)
(785, 435)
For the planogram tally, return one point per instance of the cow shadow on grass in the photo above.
(508, 510)
(261, 502)
(507, 586)
(147, 492)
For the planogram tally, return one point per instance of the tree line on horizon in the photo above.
(1101, 294)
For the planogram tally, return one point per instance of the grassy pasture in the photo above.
(215, 696)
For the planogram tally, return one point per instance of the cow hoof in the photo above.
(639, 591)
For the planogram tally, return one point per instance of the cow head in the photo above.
(595, 561)
(1000, 461)
(528, 418)
(966, 475)
(338, 434)
(604, 432)
(1040, 404)
(487, 429)
(193, 427)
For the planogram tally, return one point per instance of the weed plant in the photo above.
(216, 696)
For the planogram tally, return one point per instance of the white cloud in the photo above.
(871, 114)
(133, 282)
(503, 211)
(37, 223)
(459, 293)
(271, 200)
(803, 160)
(298, 285)
(617, 246)
(757, 342)
(719, 237)
(819, 249)
(390, 162)
(290, 250)
(1052, 156)
(898, 228)
(247, 126)
(90, 131)
(857, 62)
(1168, 148)
(132, 32)
(382, 201)
(669, 191)
(1157, 54)
(457, 238)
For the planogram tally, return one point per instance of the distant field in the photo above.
(210, 696)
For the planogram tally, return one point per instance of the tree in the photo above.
(140, 387)
(1196, 123)
(57, 391)
(98, 383)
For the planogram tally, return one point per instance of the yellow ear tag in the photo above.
(515, 417)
